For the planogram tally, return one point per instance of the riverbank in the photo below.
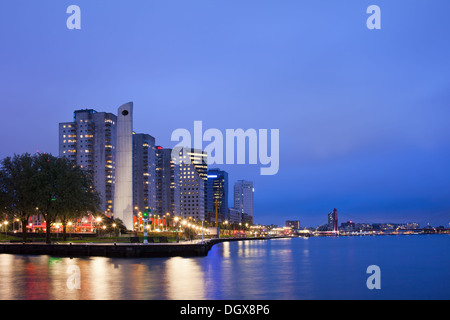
(195, 248)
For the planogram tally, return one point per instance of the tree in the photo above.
(3, 196)
(45, 184)
(18, 188)
(75, 195)
(65, 191)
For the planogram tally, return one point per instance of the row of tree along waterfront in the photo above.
(50, 186)
(62, 192)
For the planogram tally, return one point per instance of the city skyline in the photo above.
(361, 113)
(151, 178)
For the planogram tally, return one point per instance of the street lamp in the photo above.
(98, 220)
(167, 221)
(185, 225)
(70, 225)
(226, 227)
(5, 223)
(14, 225)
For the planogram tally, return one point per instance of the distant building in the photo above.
(294, 224)
(217, 195)
(363, 226)
(243, 199)
(90, 142)
(234, 216)
(246, 218)
(348, 226)
(333, 221)
(410, 225)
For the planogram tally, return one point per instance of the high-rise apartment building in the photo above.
(217, 195)
(144, 173)
(333, 220)
(167, 183)
(192, 182)
(243, 200)
(132, 175)
(90, 141)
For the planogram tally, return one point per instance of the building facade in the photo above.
(192, 183)
(217, 195)
(294, 224)
(333, 221)
(90, 142)
(144, 173)
(243, 200)
(167, 183)
(234, 216)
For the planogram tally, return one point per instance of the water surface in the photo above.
(412, 267)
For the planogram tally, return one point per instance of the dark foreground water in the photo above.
(411, 267)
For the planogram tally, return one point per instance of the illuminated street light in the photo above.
(5, 223)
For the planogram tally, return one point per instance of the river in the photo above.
(409, 267)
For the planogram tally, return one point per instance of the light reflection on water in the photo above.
(316, 268)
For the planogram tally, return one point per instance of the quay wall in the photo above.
(116, 250)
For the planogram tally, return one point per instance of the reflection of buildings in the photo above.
(181, 276)
(217, 195)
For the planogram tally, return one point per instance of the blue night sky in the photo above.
(363, 114)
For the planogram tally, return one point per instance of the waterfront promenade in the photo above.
(123, 250)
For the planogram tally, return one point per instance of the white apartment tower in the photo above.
(192, 183)
(89, 141)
